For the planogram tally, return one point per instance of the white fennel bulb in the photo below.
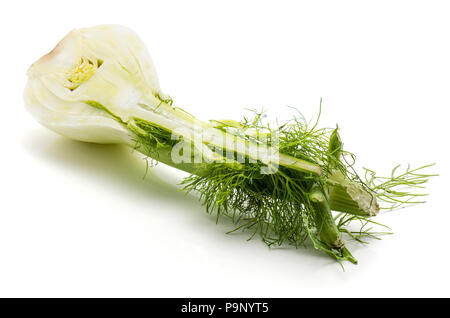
(107, 65)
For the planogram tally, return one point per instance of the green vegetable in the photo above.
(290, 184)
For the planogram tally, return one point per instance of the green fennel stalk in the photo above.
(291, 205)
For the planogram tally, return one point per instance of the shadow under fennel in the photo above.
(127, 169)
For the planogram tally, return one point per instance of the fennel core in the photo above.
(289, 185)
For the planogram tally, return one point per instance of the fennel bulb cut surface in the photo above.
(290, 185)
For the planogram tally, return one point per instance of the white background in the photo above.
(78, 220)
